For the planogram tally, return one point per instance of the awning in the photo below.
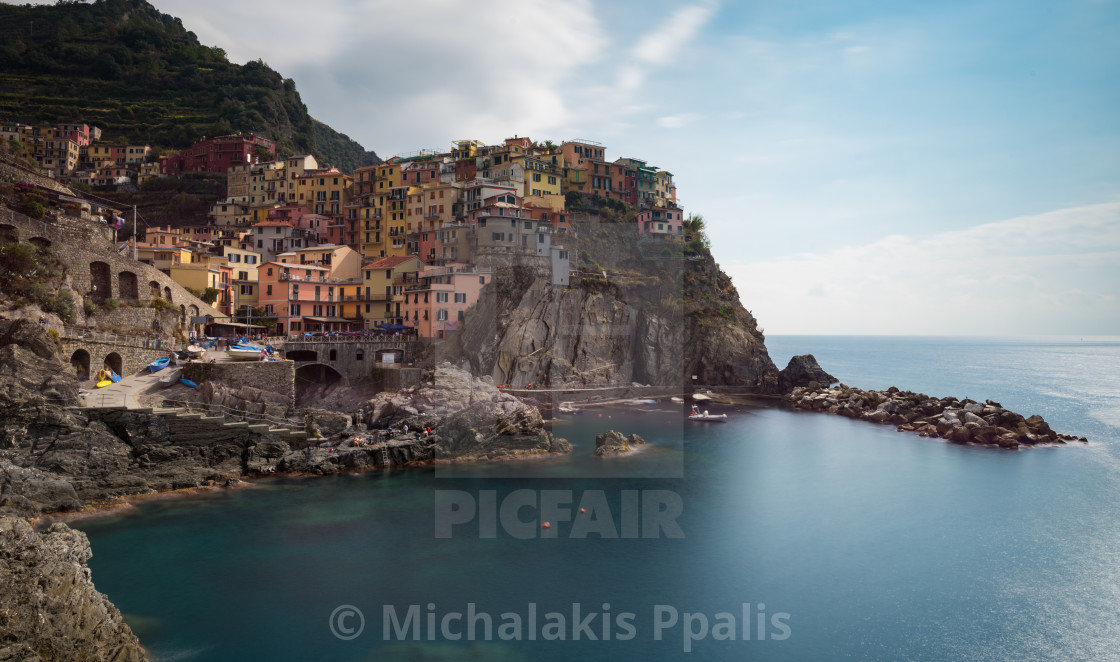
(393, 327)
(341, 320)
(236, 325)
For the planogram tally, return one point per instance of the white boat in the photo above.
(196, 351)
(706, 417)
(244, 353)
(567, 408)
(700, 397)
(676, 399)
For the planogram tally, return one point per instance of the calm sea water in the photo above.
(877, 544)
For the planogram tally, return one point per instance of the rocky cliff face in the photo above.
(631, 313)
(49, 608)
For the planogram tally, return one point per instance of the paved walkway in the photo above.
(125, 392)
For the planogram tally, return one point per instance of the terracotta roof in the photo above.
(390, 262)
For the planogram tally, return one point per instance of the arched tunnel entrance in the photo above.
(314, 380)
(79, 363)
(302, 355)
(113, 362)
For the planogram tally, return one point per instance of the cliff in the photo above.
(635, 310)
(49, 608)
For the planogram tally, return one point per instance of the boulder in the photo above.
(613, 443)
(802, 371)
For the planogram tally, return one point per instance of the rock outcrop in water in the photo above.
(49, 608)
(470, 418)
(613, 443)
(961, 421)
(804, 370)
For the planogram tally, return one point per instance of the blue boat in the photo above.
(187, 382)
(159, 364)
(113, 377)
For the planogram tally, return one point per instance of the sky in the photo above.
(863, 167)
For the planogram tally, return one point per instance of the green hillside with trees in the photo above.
(139, 74)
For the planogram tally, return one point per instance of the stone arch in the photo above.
(42, 243)
(192, 310)
(333, 356)
(79, 363)
(167, 294)
(154, 287)
(318, 373)
(128, 286)
(100, 282)
(302, 355)
(114, 362)
(9, 234)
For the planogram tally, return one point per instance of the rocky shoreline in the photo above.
(960, 421)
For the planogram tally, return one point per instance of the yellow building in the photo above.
(163, 257)
(382, 282)
(325, 192)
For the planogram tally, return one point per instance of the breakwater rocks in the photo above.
(49, 608)
(613, 443)
(961, 421)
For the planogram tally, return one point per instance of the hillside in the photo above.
(140, 75)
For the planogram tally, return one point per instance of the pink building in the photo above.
(302, 298)
(436, 302)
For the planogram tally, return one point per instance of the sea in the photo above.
(778, 535)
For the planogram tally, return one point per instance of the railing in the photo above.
(92, 335)
(359, 336)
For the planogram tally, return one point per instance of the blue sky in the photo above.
(864, 167)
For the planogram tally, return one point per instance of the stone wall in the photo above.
(342, 356)
(126, 360)
(273, 376)
(97, 270)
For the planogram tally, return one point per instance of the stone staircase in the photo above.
(196, 427)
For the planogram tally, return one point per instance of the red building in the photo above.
(217, 154)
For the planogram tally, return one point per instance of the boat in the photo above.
(187, 382)
(700, 397)
(568, 408)
(102, 379)
(113, 377)
(196, 351)
(159, 364)
(245, 353)
(676, 399)
(169, 379)
(706, 417)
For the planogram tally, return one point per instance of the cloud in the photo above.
(402, 75)
(677, 121)
(1055, 272)
(660, 46)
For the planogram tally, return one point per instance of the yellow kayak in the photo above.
(102, 379)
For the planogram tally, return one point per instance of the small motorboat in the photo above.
(568, 408)
(676, 399)
(102, 379)
(245, 352)
(706, 417)
(169, 379)
(159, 364)
(700, 397)
(196, 351)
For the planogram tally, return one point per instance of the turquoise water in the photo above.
(877, 544)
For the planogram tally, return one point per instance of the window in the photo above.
(460, 297)
(268, 290)
(441, 315)
(482, 280)
(441, 297)
(499, 236)
(528, 225)
(359, 355)
(461, 316)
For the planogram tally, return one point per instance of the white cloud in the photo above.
(661, 45)
(399, 76)
(1055, 272)
(677, 121)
